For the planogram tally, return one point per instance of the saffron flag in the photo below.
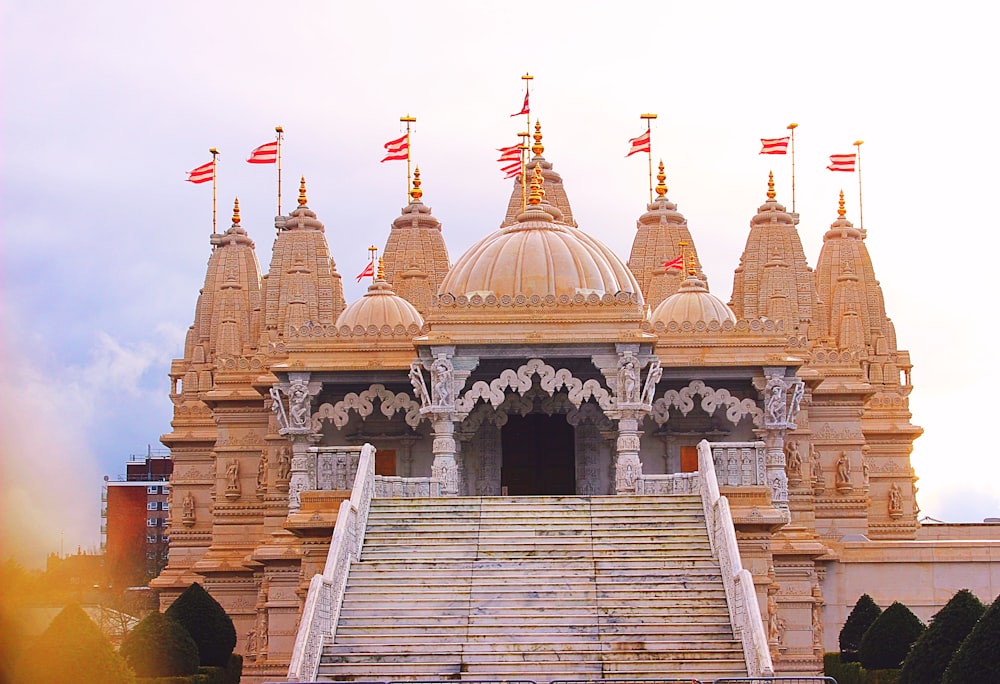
(202, 174)
(842, 162)
(524, 108)
(369, 269)
(774, 145)
(676, 263)
(640, 144)
(265, 154)
(397, 149)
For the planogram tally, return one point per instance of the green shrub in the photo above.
(888, 676)
(978, 658)
(844, 673)
(207, 623)
(888, 640)
(935, 648)
(72, 649)
(160, 647)
(864, 613)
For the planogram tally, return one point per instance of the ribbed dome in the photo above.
(692, 303)
(538, 257)
(380, 307)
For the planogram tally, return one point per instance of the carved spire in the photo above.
(536, 194)
(537, 148)
(381, 269)
(302, 192)
(771, 194)
(236, 211)
(841, 211)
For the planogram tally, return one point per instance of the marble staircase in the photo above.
(538, 588)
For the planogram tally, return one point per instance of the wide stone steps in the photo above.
(538, 588)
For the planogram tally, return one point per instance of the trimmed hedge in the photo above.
(160, 647)
(931, 653)
(864, 613)
(888, 640)
(843, 672)
(978, 658)
(207, 623)
(72, 649)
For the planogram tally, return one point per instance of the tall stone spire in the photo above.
(555, 192)
(303, 285)
(773, 280)
(662, 235)
(415, 257)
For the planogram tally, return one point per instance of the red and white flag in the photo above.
(524, 108)
(510, 160)
(202, 174)
(512, 171)
(265, 154)
(397, 149)
(774, 145)
(640, 144)
(677, 263)
(368, 272)
(842, 162)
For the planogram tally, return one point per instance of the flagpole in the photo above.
(527, 78)
(649, 152)
(792, 127)
(373, 250)
(524, 170)
(861, 210)
(409, 176)
(280, 131)
(215, 153)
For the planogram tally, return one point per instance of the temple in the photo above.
(541, 369)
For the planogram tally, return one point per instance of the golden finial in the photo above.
(770, 185)
(692, 265)
(381, 269)
(841, 212)
(302, 192)
(416, 193)
(661, 187)
(535, 197)
(236, 211)
(538, 148)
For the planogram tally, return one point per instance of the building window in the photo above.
(152, 522)
(151, 489)
(165, 539)
(150, 538)
(151, 506)
(165, 506)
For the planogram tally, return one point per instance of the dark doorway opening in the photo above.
(538, 456)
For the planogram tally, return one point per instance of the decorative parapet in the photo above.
(450, 301)
(311, 330)
(326, 591)
(406, 487)
(661, 485)
(739, 464)
(744, 612)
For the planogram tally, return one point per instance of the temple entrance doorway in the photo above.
(538, 456)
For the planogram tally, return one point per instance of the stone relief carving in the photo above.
(233, 477)
(262, 471)
(895, 501)
(776, 410)
(278, 407)
(442, 382)
(711, 399)
(793, 457)
(364, 403)
(652, 378)
(843, 472)
(550, 380)
(419, 384)
(628, 379)
(188, 509)
(298, 403)
(284, 463)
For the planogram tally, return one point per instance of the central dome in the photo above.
(536, 256)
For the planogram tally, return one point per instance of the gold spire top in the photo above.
(538, 148)
(692, 265)
(661, 187)
(536, 195)
(236, 211)
(302, 192)
(381, 269)
(416, 193)
(770, 185)
(841, 212)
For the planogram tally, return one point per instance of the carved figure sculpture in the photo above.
(262, 471)
(843, 470)
(628, 380)
(797, 394)
(251, 647)
(817, 467)
(419, 386)
(775, 403)
(187, 506)
(298, 403)
(284, 464)
(772, 617)
(278, 406)
(794, 458)
(866, 471)
(442, 378)
(233, 476)
(652, 378)
(817, 619)
(895, 500)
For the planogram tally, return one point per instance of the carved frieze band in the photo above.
(711, 399)
(363, 403)
(550, 380)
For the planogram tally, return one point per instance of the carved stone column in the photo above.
(628, 467)
(445, 466)
(439, 406)
(632, 401)
(782, 400)
(296, 425)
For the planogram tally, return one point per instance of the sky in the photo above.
(106, 105)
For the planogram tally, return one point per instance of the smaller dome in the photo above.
(692, 303)
(380, 307)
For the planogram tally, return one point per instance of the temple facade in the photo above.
(541, 363)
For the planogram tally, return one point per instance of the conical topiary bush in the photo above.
(935, 648)
(889, 639)
(160, 647)
(978, 658)
(207, 623)
(864, 613)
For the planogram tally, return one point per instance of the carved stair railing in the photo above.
(326, 591)
(744, 611)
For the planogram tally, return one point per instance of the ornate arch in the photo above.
(711, 399)
(550, 380)
(364, 404)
